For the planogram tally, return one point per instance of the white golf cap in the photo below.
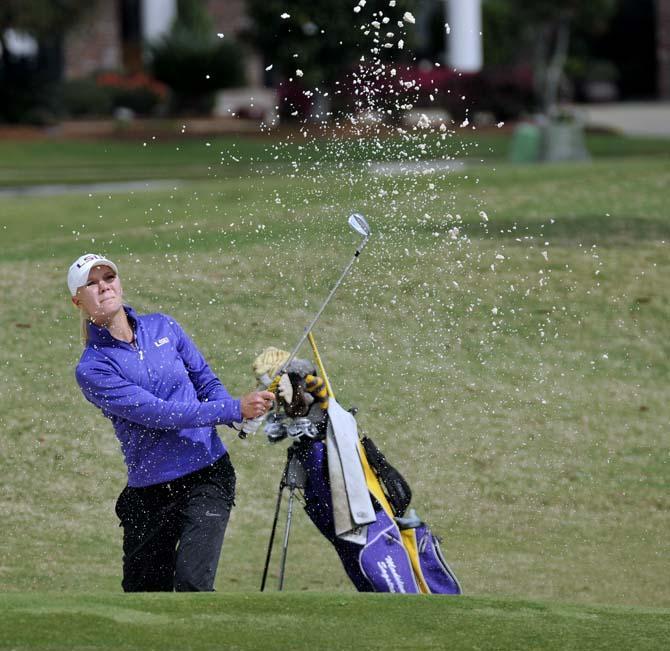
(78, 273)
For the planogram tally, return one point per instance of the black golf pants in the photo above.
(173, 532)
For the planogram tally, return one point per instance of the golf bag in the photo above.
(398, 555)
(353, 495)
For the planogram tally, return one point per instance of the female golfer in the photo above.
(151, 381)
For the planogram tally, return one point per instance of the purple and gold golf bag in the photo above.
(398, 555)
(353, 495)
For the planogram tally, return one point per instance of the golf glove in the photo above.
(247, 426)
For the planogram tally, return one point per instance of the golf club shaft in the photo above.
(308, 329)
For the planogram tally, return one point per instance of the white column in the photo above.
(157, 18)
(20, 44)
(465, 37)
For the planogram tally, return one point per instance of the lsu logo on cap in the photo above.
(88, 258)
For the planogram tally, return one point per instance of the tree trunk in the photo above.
(50, 57)
(5, 55)
(663, 47)
(555, 66)
(541, 44)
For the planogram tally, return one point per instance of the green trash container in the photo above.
(563, 140)
(526, 144)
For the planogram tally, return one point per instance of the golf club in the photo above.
(359, 224)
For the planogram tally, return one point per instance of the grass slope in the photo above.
(317, 621)
(504, 336)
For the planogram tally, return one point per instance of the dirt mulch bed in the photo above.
(131, 129)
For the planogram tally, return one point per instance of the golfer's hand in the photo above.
(256, 404)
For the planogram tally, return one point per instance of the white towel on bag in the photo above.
(352, 506)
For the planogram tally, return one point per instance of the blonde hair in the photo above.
(83, 327)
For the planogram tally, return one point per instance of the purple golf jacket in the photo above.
(161, 396)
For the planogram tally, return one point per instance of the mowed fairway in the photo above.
(504, 337)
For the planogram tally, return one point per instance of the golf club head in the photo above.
(359, 224)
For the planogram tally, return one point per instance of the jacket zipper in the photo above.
(135, 346)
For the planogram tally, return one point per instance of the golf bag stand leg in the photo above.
(293, 478)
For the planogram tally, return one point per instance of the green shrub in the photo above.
(195, 69)
(25, 94)
(193, 62)
(138, 92)
(85, 98)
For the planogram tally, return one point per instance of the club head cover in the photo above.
(295, 401)
(285, 389)
(317, 388)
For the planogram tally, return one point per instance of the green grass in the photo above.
(317, 621)
(169, 157)
(514, 371)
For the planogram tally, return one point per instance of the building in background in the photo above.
(114, 35)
